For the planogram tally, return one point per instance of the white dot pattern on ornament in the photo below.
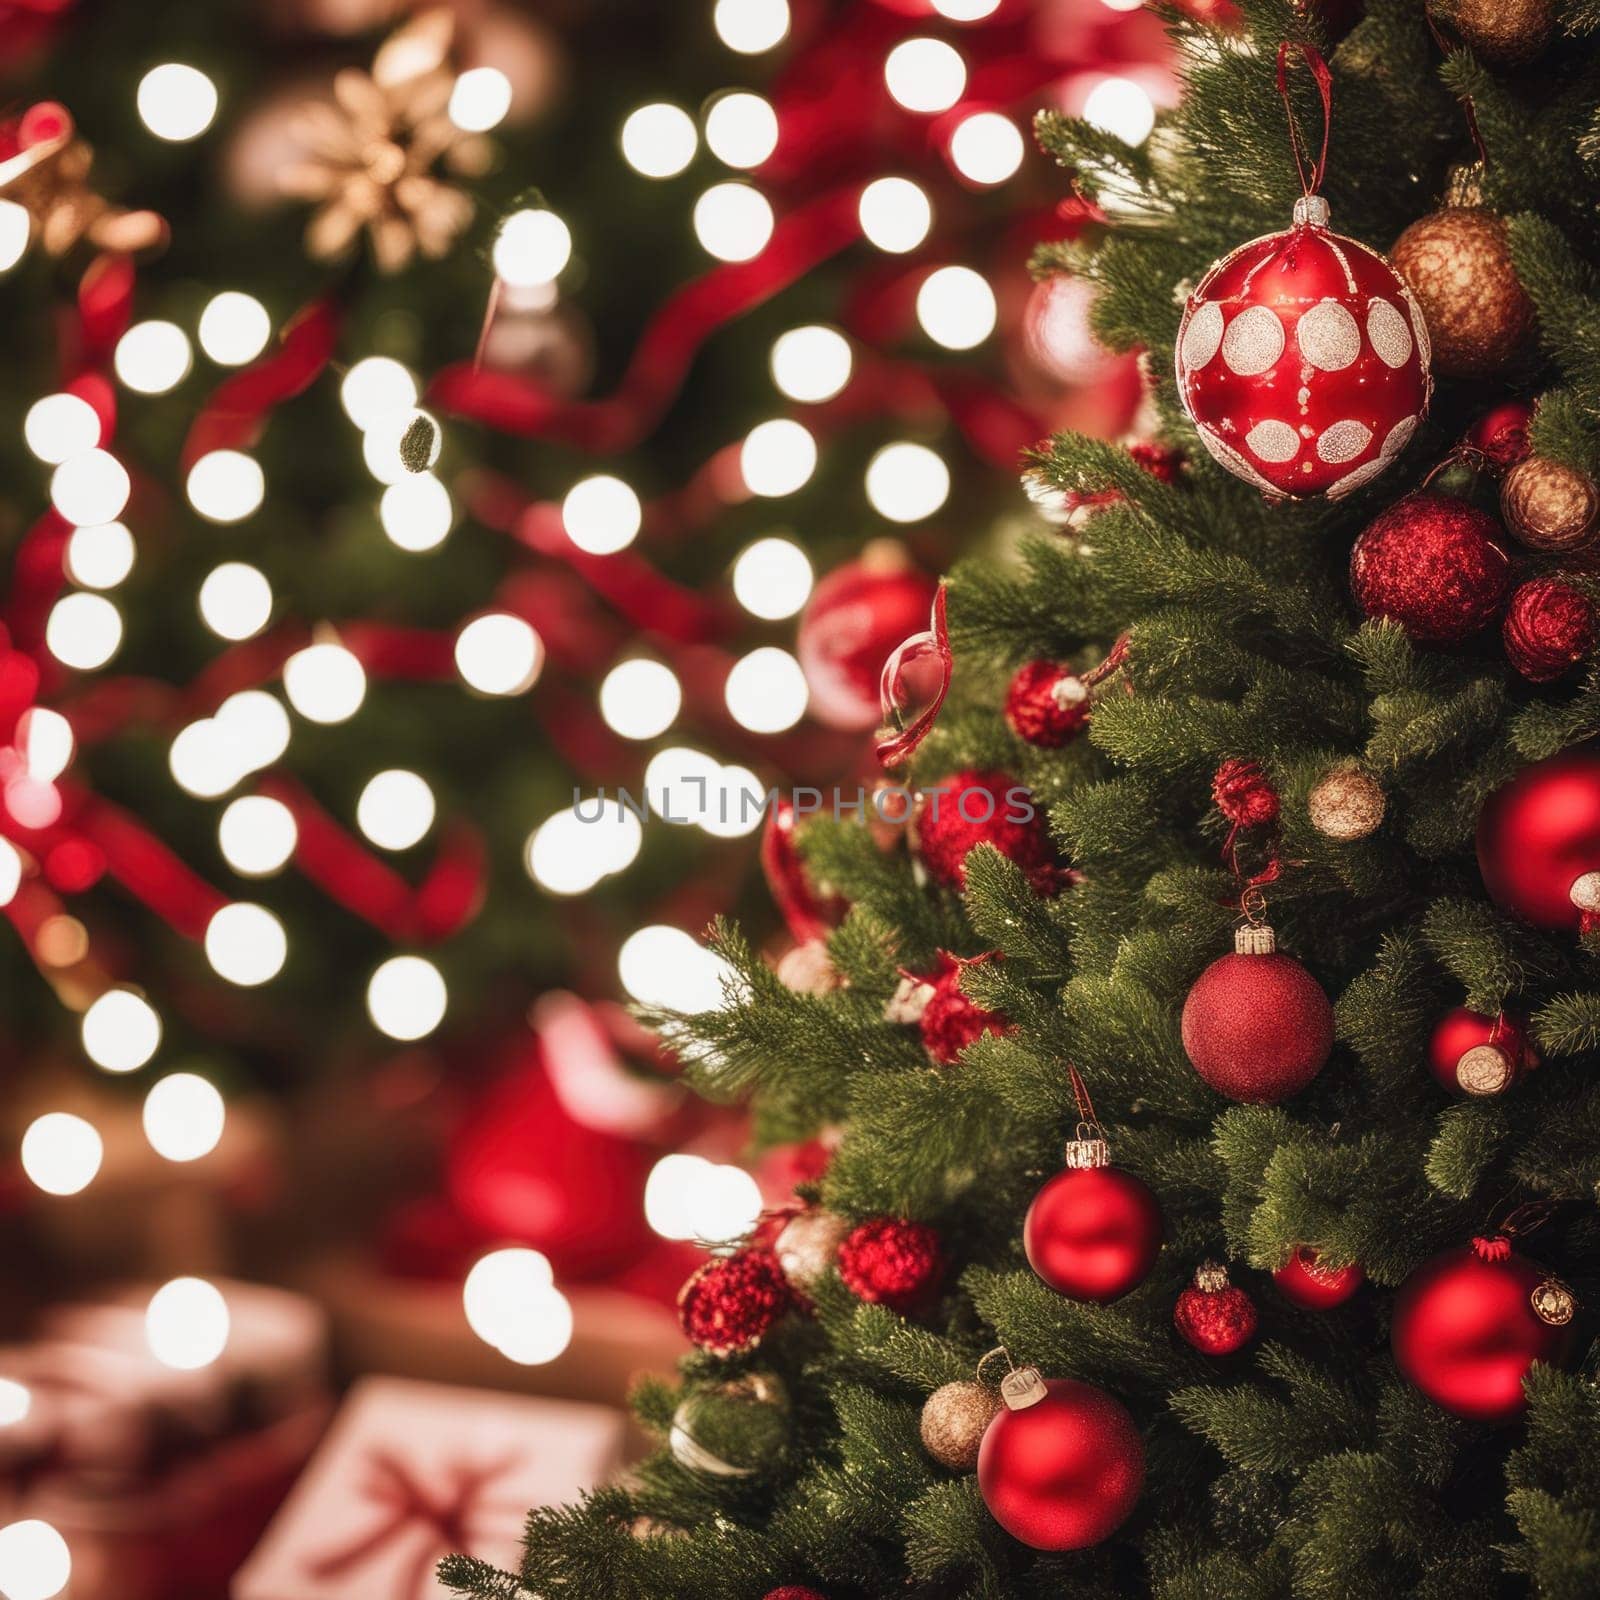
(1253, 342)
(1203, 335)
(1344, 441)
(1274, 441)
(1328, 337)
(1419, 326)
(1390, 336)
(1225, 455)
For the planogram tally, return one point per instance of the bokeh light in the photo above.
(766, 690)
(741, 129)
(907, 482)
(234, 328)
(499, 654)
(257, 835)
(183, 1117)
(956, 307)
(35, 1563)
(186, 1324)
(396, 809)
(772, 578)
(235, 600)
(895, 214)
(91, 487)
(663, 966)
(226, 485)
(601, 515)
(83, 631)
(925, 75)
(659, 140)
(777, 457)
(325, 683)
(641, 698)
(246, 944)
(751, 26)
(100, 556)
(176, 102)
(512, 1304)
(480, 99)
(733, 221)
(59, 427)
(811, 364)
(987, 147)
(531, 248)
(60, 1154)
(121, 1031)
(406, 998)
(1119, 106)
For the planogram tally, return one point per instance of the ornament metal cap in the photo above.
(1210, 1276)
(1254, 939)
(1585, 892)
(1082, 1152)
(1311, 210)
(1554, 1304)
(1022, 1387)
(1485, 1069)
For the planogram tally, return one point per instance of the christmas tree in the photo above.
(1255, 861)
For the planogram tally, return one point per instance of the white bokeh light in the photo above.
(687, 1197)
(663, 966)
(499, 654)
(895, 214)
(246, 944)
(16, 228)
(121, 1031)
(956, 307)
(203, 760)
(659, 140)
(255, 725)
(777, 457)
(751, 26)
(377, 387)
(966, 10)
(925, 75)
(183, 1117)
(640, 699)
(907, 482)
(176, 102)
(416, 512)
(153, 357)
(811, 364)
(325, 683)
(680, 783)
(226, 485)
(35, 1563)
(100, 556)
(480, 99)
(987, 147)
(735, 804)
(733, 221)
(59, 427)
(396, 809)
(512, 1304)
(234, 328)
(531, 248)
(186, 1324)
(235, 600)
(15, 1402)
(741, 129)
(383, 446)
(1119, 106)
(601, 515)
(766, 690)
(772, 578)
(61, 1153)
(10, 872)
(45, 740)
(406, 998)
(92, 487)
(257, 835)
(572, 851)
(83, 631)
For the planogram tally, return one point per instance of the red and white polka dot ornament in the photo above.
(1302, 356)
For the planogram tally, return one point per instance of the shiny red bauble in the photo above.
(1304, 1280)
(731, 1303)
(1257, 1027)
(1551, 625)
(1466, 1328)
(1500, 435)
(1470, 1053)
(1047, 704)
(951, 1019)
(890, 1261)
(1062, 1470)
(1093, 1232)
(1432, 563)
(1215, 1316)
(1302, 360)
(958, 813)
(1539, 840)
(852, 623)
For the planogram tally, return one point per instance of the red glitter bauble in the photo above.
(1539, 840)
(1047, 704)
(1062, 1464)
(892, 1262)
(1215, 1316)
(730, 1304)
(1550, 626)
(1304, 1280)
(1257, 1028)
(794, 1591)
(950, 1020)
(1302, 360)
(850, 627)
(971, 808)
(1432, 564)
(1470, 1053)
(1500, 435)
(1093, 1232)
(1470, 1323)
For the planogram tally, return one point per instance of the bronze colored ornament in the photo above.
(1504, 33)
(808, 1245)
(1548, 506)
(954, 1419)
(1346, 804)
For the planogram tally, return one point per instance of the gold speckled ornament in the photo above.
(1504, 33)
(1548, 506)
(1346, 804)
(954, 1419)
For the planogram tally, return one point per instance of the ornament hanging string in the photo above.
(1088, 1122)
(1469, 112)
(1310, 175)
(1246, 798)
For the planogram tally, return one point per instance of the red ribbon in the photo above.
(1310, 181)
(1244, 795)
(807, 914)
(897, 747)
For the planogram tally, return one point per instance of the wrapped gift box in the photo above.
(412, 1471)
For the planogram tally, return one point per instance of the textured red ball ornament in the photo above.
(1093, 1232)
(794, 1591)
(1047, 704)
(1062, 1464)
(1539, 841)
(1303, 360)
(971, 808)
(1304, 1280)
(1500, 435)
(1431, 563)
(851, 624)
(1215, 1316)
(1470, 1323)
(892, 1262)
(1550, 626)
(1256, 1025)
(729, 1304)
(1472, 1054)
(950, 1020)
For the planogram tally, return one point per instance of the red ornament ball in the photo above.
(794, 1591)
(1047, 704)
(969, 808)
(1215, 1316)
(951, 1020)
(1539, 841)
(1431, 563)
(1243, 793)
(1466, 1329)
(1093, 1232)
(731, 1303)
(1500, 435)
(1056, 332)
(1062, 1464)
(1304, 1280)
(850, 627)
(1550, 626)
(890, 1261)
(1470, 1053)
(1302, 360)
(1257, 1027)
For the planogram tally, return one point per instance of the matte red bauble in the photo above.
(1047, 704)
(1256, 1025)
(850, 626)
(1093, 1231)
(1539, 841)
(1470, 1323)
(729, 1305)
(1551, 625)
(1062, 1464)
(951, 1019)
(1304, 1280)
(1431, 563)
(890, 1261)
(1303, 360)
(969, 808)
(1215, 1316)
(1470, 1053)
